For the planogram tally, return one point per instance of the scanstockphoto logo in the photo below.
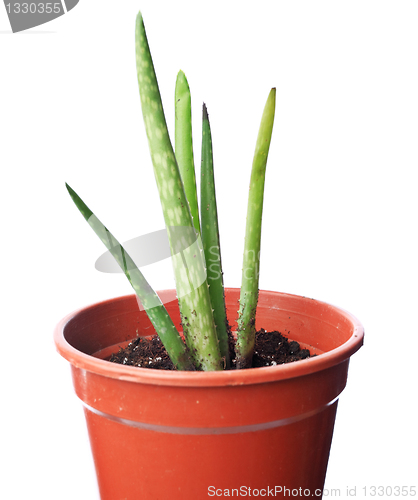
(180, 243)
(24, 15)
(152, 248)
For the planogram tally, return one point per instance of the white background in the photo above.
(340, 220)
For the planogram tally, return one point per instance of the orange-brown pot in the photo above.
(190, 435)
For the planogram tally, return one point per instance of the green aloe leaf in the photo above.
(251, 262)
(189, 266)
(152, 304)
(210, 239)
(184, 145)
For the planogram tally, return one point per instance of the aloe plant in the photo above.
(189, 271)
(210, 238)
(251, 263)
(156, 311)
(184, 145)
(194, 243)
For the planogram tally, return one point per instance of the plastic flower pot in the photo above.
(190, 435)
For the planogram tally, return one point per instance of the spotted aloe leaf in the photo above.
(189, 265)
(251, 262)
(152, 304)
(210, 238)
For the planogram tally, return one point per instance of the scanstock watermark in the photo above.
(180, 243)
(284, 492)
(24, 15)
(268, 491)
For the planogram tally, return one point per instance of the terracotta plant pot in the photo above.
(191, 435)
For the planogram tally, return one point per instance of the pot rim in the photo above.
(209, 379)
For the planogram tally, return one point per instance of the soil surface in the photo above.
(271, 348)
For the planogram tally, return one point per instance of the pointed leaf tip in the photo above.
(182, 86)
(272, 94)
(82, 207)
(205, 112)
(70, 190)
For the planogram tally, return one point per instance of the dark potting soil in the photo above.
(271, 348)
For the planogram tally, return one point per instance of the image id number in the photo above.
(34, 8)
(389, 491)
